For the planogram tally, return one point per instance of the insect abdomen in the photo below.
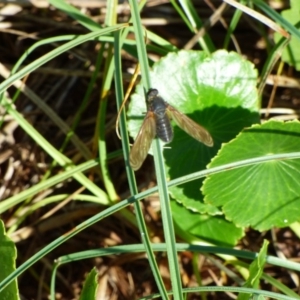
(163, 126)
(163, 129)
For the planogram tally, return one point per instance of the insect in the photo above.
(157, 122)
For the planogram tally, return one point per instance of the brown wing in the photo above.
(190, 127)
(143, 142)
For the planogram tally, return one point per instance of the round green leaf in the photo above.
(215, 230)
(262, 195)
(217, 91)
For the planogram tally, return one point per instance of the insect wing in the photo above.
(190, 127)
(143, 142)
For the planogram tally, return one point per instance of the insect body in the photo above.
(157, 122)
(158, 107)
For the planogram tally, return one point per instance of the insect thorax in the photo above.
(158, 106)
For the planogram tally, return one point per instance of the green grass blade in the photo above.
(51, 246)
(52, 151)
(142, 195)
(22, 196)
(123, 122)
(57, 51)
(232, 26)
(226, 253)
(278, 18)
(101, 128)
(159, 164)
(141, 49)
(166, 214)
(70, 135)
(108, 74)
(130, 174)
(272, 59)
(75, 14)
(196, 23)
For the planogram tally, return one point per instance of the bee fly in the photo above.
(157, 122)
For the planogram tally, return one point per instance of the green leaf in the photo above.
(217, 91)
(76, 14)
(291, 54)
(90, 286)
(8, 255)
(255, 271)
(215, 230)
(262, 195)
